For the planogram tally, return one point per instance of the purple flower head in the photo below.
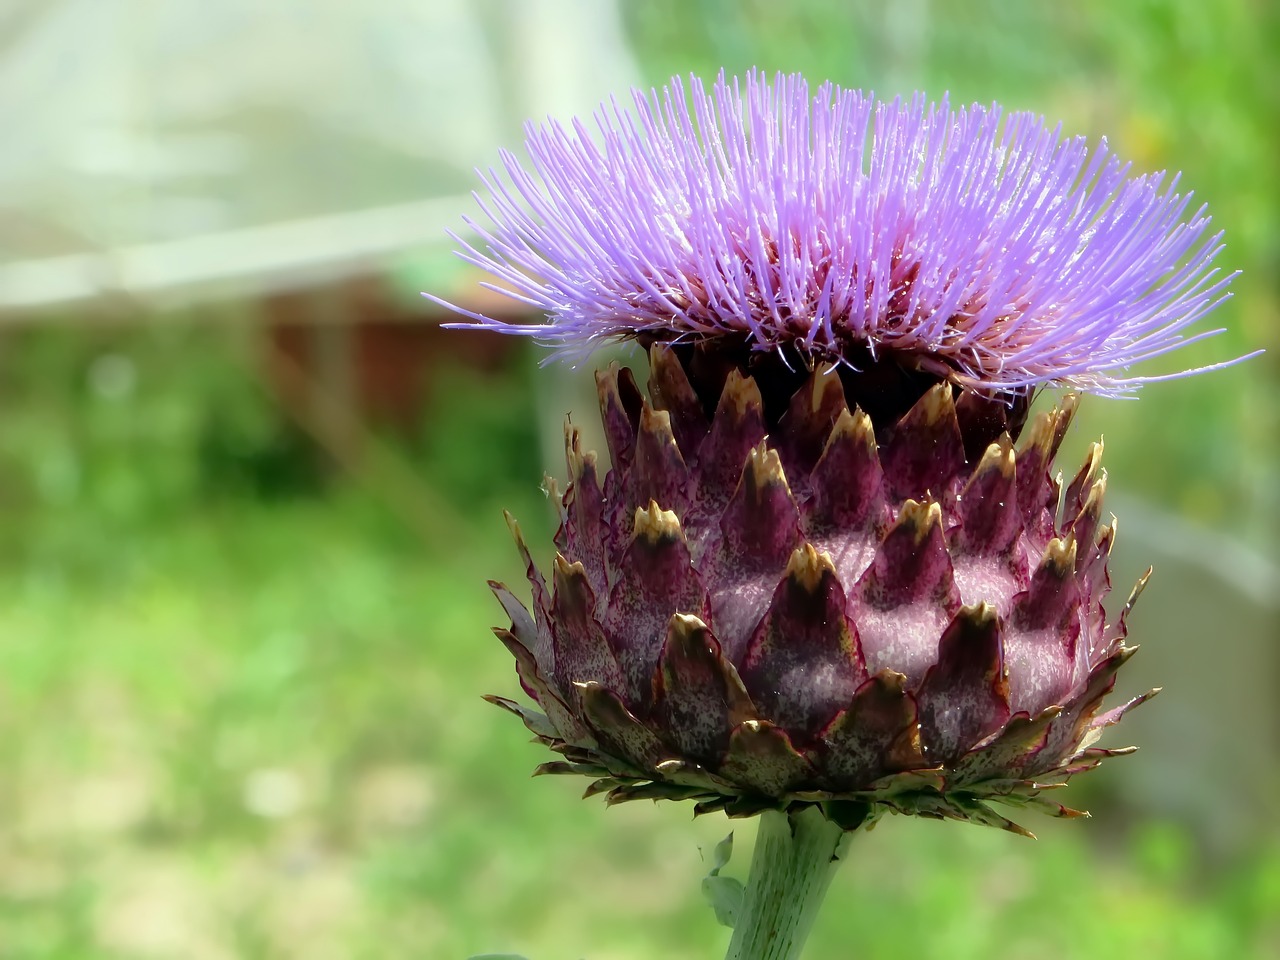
(972, 241)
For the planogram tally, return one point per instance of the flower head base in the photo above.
(756, 611)
(981, 246)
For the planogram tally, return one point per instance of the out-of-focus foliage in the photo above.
(478, 461)
(106, 433)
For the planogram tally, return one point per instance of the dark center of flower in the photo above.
(884, 386)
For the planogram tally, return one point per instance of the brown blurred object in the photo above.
(345, 359)
(369, 351)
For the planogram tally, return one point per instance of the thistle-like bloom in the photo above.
(829, 566)
(983, 244)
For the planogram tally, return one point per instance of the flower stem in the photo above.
(795, 858)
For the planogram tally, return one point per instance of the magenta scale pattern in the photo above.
(982, 241)
(752, 614)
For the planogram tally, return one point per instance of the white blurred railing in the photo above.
(210, 266)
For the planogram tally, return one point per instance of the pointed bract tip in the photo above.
(764, 468)
(825, 381)
(1063, 414)
(981, 615)
(654, 525)
(807, 566)
(551, 487)
(937, 404)
(740, 393)
(1060, 557)
(919, 518)
(514, 526)
(607, 378)
(855, 427)
(660, 354)
(1039, 435)
(998, 458)
(1136, 592)
(688, 632)
(863, 427)
(685, 623)
(655, 421)
(566, 570)
(1093, 503)
(1092, 463)
(891, 681)
(1123, 655)
(575, 457)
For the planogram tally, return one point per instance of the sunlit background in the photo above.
(251, 492)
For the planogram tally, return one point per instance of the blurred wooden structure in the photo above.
(355, 355)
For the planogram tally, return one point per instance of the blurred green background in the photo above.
(243, 623)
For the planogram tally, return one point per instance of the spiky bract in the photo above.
(759, 607)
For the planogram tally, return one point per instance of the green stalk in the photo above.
(795, 858)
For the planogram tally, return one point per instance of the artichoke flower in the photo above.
(832, 564)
